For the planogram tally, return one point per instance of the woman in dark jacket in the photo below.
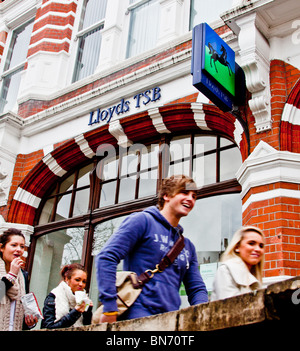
(60, 307)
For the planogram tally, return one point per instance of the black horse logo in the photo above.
(222, 58)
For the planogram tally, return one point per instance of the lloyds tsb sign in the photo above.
(215, 72)
(138, 100)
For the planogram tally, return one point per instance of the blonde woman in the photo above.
(241, 265)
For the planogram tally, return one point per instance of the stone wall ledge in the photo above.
(279, 302)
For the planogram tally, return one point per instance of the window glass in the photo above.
(88, 54)
(144, 26)
(148, 183)
(230, 162)
(210, 226)
(15, 63)
(102, 233)
(127, 189)
(81, 202)
(108, 194)
(84, 176)
(52, 252)
(210, 169)
(207, 11)
(9, 91)
(19, 45)
(89, 38)
(63, 207)
(180, 148)
(93, 12)
(207, 142)
(46, 213)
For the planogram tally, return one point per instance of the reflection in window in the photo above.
(52, 252)
(210, 226)
(102, 233)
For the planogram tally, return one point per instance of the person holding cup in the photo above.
(14, 282)
(68, 305)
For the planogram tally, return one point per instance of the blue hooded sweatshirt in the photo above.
(142, 241)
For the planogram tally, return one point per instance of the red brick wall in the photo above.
(24, 164)
(53, 33)
(279, 218)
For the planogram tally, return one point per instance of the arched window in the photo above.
(87, 206)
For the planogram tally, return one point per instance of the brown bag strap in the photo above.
(166, 261)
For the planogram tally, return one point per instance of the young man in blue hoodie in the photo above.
(142, 241)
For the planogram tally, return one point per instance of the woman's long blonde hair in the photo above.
(230, 251)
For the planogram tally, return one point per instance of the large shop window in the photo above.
(87, 206)
(207, 11)
(52, 252)
(14, 65)
(89, 38)
(144, 26)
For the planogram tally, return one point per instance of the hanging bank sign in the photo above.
(215, 72)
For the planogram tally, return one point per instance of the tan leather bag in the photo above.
(127, 292)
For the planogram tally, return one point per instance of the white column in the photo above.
(254, 55)
(171, 21)
(111, 45)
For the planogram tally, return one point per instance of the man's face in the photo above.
(182, 203)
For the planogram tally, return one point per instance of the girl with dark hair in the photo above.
(14, 282)
(60, 307)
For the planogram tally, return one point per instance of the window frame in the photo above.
(8, 71)
(134, 5)
(81, 34)
(96, 215)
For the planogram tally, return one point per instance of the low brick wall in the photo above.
(279, 302)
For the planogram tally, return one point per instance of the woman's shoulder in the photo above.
(239, 271)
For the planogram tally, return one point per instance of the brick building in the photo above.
(97, 106)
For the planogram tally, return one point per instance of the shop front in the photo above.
(90, 137)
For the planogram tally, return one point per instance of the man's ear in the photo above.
(166, 198)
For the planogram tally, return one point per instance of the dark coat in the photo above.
(66, 321)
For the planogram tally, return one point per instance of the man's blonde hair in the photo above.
(174, 185)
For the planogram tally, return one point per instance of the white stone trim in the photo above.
(116, 130)
(51, 162)
(157, 120)
(27, 198)
(238, 132)
(199, 116)
(266, 166)
(291, 114)
(56, 14)
(84, 146)
(50, 40)
(271, 194)
(52, 26)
